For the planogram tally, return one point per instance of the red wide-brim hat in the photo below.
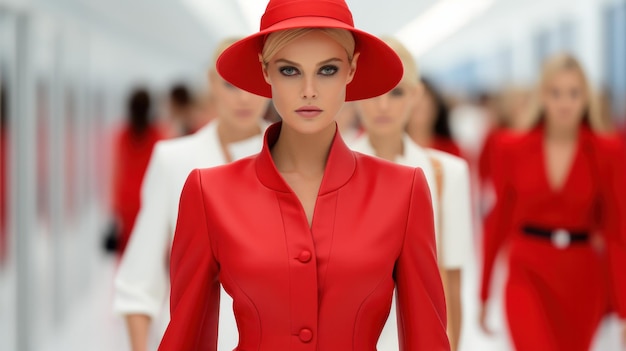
(379, 68)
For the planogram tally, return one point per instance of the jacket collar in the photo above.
(340, 165)
(414, 155)
(212, 149)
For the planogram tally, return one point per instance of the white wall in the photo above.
(512, 24)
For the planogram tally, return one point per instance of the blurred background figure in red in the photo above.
(560, 211)
(507, 117)
(133, 148)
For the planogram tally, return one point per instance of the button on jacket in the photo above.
(325, 287)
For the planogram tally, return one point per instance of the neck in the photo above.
(421, 136)
(559, 134)
(303, 153)
(387, 146)
(230, 134)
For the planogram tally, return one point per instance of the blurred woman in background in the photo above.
(133, 148)
(561, 207)
(429, 123)
(384, 119)
(141, 285)
(184, 111)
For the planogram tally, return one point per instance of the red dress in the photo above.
(131, 160)
(555, 297)
(327, 287)
(484, 167)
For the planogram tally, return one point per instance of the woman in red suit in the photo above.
(308, 237)
(132, 152)
(561, 207)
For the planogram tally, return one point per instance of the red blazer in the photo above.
(294, 288)
(593, 198)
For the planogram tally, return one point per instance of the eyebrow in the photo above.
(334, 59)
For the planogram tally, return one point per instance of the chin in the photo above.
(246, 123)
(386, 130)
(309, 127)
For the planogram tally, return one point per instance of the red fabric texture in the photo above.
(132, 154)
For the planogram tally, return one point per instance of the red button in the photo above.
(305, 256)
(305, 335)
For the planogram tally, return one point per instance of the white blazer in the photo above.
(142, 281)
(456, 216)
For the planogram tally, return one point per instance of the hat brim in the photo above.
(379, 68)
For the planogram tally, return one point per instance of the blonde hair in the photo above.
(552, 66)
(219, 49)
(278, 40)
(411, 71)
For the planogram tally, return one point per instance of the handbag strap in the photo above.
(438, 170)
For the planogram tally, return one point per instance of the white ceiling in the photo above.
(381, 17)
(191, 28)
(386, 17)
(421, 24)
(186, 32)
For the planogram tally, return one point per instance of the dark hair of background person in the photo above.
(442, 111)
(180, 95)
(139, 111)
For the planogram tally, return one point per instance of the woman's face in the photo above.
(308, 78)
(564, 100)
(235, 107)
(389, 113)
(423, 115)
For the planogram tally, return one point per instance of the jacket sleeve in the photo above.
(421, 308)
(614, 218)
(194, 270)
(497, 225)
(142, 278)
(456, 216)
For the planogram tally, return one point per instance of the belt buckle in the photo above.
(561, 239)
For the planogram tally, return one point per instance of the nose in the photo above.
(309, 88)
(382, 102)
(244, 96)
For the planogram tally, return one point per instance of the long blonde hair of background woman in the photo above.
(552, 66)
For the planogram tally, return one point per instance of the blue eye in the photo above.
(328, 70)
(288, 71)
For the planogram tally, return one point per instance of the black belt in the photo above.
(561, 238)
